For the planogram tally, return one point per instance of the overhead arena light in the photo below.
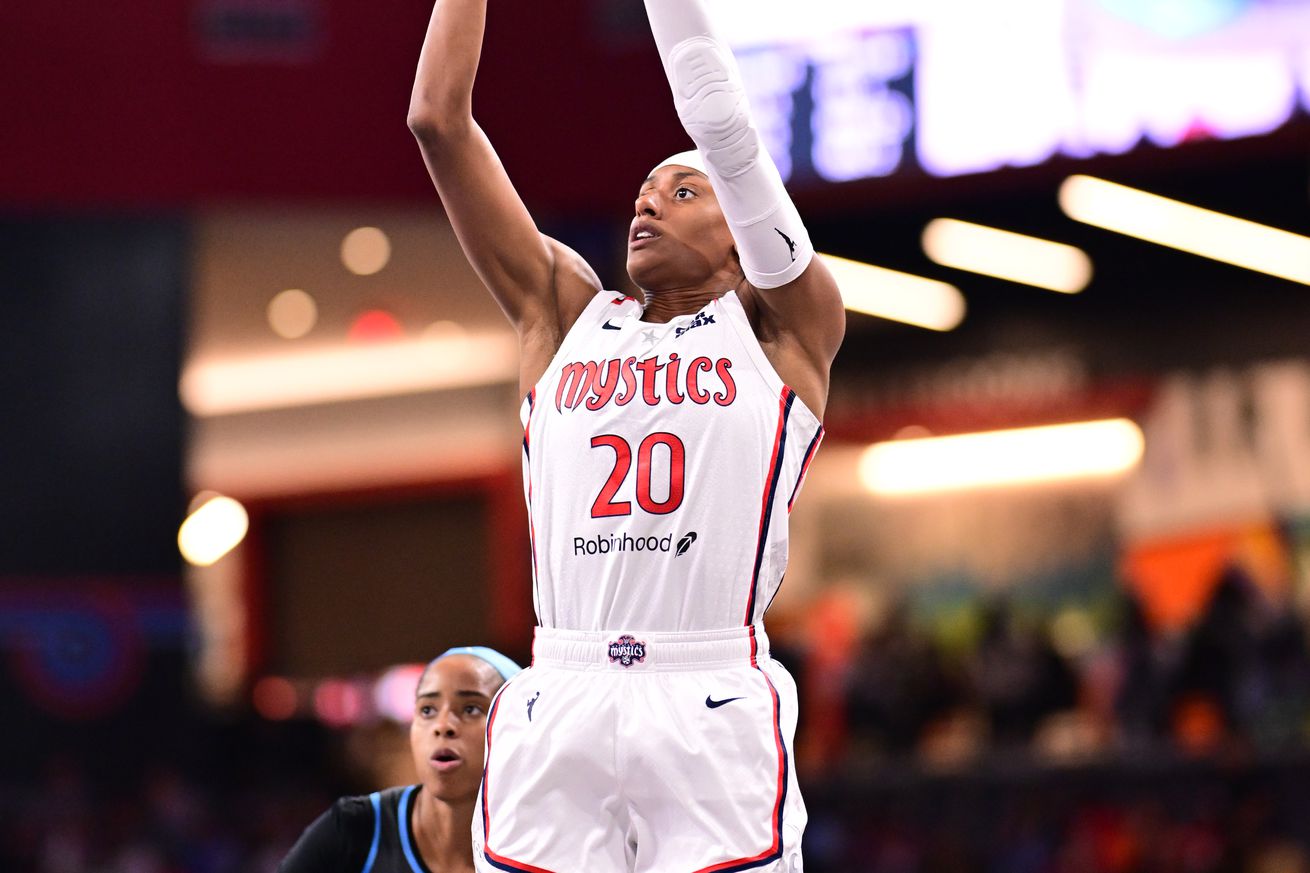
(896, 296)
(215, 528)
(1006, 255)
(1189, 228)
(343, 373)
(365, 251)
(1024, 456)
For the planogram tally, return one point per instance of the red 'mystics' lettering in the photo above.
(729, 393)
(701, 364)
(596, 384)
(629, 383)
(575, 380)
(649, 368)
(671, 369)
(603, 389)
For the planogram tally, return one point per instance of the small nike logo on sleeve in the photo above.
(609, 326)
(715, 704)
(791, 246)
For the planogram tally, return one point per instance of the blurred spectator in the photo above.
(1018, 677)
(1141, 698)
(898, 686)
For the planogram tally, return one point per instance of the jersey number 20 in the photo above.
(606, 506)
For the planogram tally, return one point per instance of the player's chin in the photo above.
(647, 270)
(454, 788)
(639, 268)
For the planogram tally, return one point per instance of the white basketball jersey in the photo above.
(660, 464)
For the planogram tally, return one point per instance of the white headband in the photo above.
(690, 159)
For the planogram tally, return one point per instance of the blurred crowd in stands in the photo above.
(1124, 750)
(1236, 681)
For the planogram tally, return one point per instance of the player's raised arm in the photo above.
(539, 283)
(800, 308)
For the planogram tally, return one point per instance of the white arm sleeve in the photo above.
(711, 102)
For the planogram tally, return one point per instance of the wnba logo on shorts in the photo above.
(627, 651)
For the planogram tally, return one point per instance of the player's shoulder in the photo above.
(386, 796)
(352, 812)
(740, 304)
(358, 814)
(339, 839)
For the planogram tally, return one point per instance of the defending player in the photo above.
(664, 442)
(423, 827)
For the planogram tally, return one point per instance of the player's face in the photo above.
(678, 235)
(447, 737)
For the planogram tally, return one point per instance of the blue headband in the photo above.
(504, 666)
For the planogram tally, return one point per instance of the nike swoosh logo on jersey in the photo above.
(715, 704)
(609, 326)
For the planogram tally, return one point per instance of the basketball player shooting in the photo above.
(665, 440)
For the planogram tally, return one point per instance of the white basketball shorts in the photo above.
(642, 753)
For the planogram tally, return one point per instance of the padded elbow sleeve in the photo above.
(711, 103)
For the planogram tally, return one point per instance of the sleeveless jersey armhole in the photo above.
(604, 306)
(741, 326)
(376, 800)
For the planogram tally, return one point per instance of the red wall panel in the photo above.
(121, 105)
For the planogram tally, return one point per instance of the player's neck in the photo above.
(442, 831)
(669, 303)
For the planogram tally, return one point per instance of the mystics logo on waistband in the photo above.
(627, 651)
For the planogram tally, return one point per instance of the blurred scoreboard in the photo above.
(852, 89)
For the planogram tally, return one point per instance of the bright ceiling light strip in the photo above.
(331, 375)
(1025, 456)
(1006, 255)
(1189, 228)
(896, 296)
